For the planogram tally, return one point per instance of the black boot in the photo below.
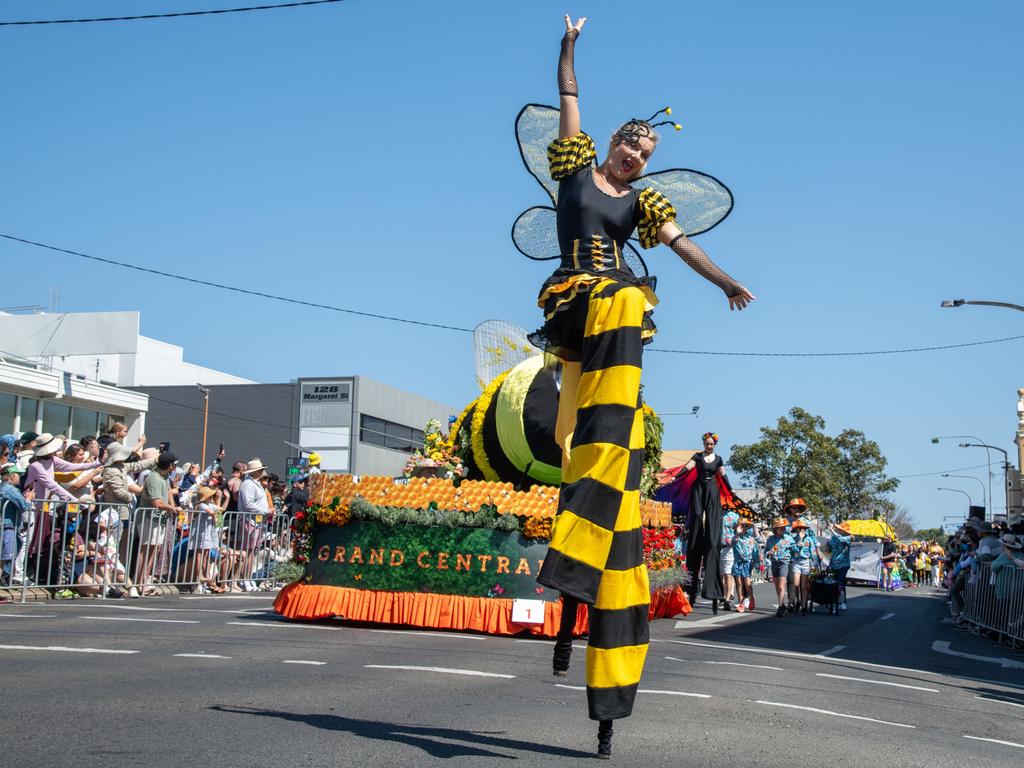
(563, 653)
(604, 740)
(714, 607)
(563, 641)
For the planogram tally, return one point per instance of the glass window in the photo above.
(28, 414)
(389, 434)
(7, 405)
(107, 420)
(83, 422)
(56, 417)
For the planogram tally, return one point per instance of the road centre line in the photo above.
(445, 670)
(63, 649)
(878, 682)
(129, 618)
(280, 624)
(571, 687)
(995, 741)
(736, 664)
(109, 606)
(304, 661)
(430, 634)
(676, 693)
(683, 624)
(28, 615)
(791, 654)
(888, 616)
(834, 714)
(199, 656)
(833, 649)
(999, 701)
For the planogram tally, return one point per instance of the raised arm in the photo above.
(691, 253)
(568, 92)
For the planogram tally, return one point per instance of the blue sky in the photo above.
(362, 155)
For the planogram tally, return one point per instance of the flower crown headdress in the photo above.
(635, 128)
(712, 435)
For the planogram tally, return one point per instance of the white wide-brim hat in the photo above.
(253, 466)
(117, 452)
(50, 447)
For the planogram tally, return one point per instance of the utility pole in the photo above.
(1015, 481)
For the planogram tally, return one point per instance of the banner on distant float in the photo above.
(475, 562)
(865, 557)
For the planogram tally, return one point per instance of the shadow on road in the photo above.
(427, 738)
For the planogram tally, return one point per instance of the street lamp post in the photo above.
(960, 302)
(971, 477)
(988, 456)
(970, 501)
(1006, 466)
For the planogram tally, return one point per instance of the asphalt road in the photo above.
(222, 681)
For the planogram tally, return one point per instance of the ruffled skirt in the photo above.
(564, 298)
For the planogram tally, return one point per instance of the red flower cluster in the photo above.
(660, 548)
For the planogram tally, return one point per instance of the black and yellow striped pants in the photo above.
(596, 551)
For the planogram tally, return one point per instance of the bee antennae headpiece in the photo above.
(665, 111)
(635, 128)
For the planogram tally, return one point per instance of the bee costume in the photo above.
(597, 308)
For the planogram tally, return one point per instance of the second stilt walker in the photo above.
(597, 319)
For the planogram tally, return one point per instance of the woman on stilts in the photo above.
(597, 319)
(704, 525)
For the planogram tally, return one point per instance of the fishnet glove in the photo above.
(566, 73)
(691, 253)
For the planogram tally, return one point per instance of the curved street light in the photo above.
(975, 479)
(988, 456)
(1006, 466)
(970, 501)
(960, 302)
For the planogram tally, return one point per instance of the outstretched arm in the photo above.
(691, 253)
(568, 92)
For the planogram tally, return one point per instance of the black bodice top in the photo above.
(593, 226)
(707, 469)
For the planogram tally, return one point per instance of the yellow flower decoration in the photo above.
(477, 429)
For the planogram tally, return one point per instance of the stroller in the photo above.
(825, 590)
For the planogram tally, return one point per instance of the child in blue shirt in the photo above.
(778, 550)
(746, 554)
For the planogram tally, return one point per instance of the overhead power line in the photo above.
(235, 289)
(443, 326)
(173, 15)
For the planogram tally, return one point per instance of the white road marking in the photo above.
(738, 664)
(834, 714)
(304, 661)
(833, 649)
(792, 654)
(943, 646)
(446, 670)
(676, 693)
(878, 682)
(28, 615)
(995, 741)
(62, 649)
(545, 642)
(430, 634)
(999, 701)
(128, 618)
(280, 624)
(268, 596)
(888, 616)
(571, 687)
(102, 606)
(709, 621)
(199, 656)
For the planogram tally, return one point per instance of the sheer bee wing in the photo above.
(534, 233)
(536, 127)
(701, 201)
(535, 236)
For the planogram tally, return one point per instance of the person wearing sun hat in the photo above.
(778, 550)
(1005, 566)
(745, 557)
(839, 561)
(805, 549)
(252, 509)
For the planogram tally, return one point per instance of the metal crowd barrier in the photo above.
(995, 601)
(96, 549)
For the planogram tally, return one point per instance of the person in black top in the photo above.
(297, 497)
(889, 559)
(704, 524)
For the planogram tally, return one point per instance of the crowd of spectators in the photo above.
(990, 558)
(99, 516)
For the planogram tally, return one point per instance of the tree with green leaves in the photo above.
(839, 477)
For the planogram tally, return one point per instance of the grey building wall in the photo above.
(386, 402)
(252, 420)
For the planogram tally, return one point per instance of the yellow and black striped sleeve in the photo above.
(566, 156)
(655, 210)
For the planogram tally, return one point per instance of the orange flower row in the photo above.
(469, 496)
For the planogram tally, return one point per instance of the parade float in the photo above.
(457, 543)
